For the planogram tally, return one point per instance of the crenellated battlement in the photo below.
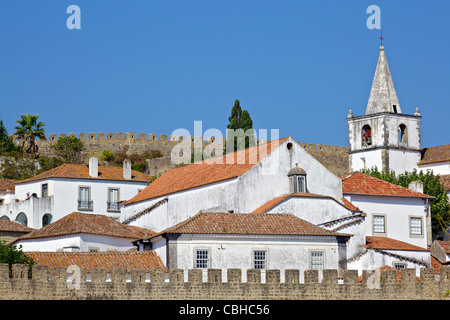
(197, 284)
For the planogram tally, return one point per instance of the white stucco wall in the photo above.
(237, 251)
(373, 260)
(64, 198)
(262, 183)
(397, 211)
(84, 242)
(440, 168)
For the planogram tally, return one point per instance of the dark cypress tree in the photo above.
(7, 144)
(239, 125)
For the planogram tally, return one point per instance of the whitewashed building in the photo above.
(248, 241)
(49, 196)
(82, 232)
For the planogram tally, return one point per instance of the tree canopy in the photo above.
(7, 144)
(28, 130)
(69, 149)
(240, 129)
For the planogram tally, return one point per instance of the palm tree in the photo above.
(28, 130)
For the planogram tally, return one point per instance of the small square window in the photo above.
(317, 260)
(415, 225)
(201, 258)
(379, 224)
(259, 259)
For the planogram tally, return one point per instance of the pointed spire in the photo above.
(383, 97)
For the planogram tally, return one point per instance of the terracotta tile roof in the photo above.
(129, 260)
(249, 224)
(384, 243)
(445, 181)
(436, 154)
(86, 223)
(436, 264)
(11, 226)
(360, 183)
(445, 245)
(204, 172)
(81, 171)
(274, 202)
(7, 185)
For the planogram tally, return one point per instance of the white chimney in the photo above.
(416, 186)
(93, 167)
(127, 169)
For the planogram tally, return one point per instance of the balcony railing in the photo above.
(112, 206)
(85, 205)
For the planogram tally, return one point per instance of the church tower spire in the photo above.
(383, 97)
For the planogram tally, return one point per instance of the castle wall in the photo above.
(334, 158)
(52, 284)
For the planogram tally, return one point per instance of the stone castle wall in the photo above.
(335, 158)
(52, 284)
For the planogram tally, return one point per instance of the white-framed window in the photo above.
(113, 199)
(201, 258)
(299, 184)
(317, 260)
(415, 226)
(84, 198)
(260, 259)
(44, 190)
(399, 265)
(379, 223)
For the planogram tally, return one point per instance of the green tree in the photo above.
(69, 149)
(14, 255)
(440, 209)
(18, 168)
(28, 130)
(240, 129)
(7, 144)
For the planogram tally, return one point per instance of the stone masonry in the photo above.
(47, 284)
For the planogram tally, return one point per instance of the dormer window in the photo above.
(297, 180)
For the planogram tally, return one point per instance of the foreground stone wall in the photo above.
(118, 284)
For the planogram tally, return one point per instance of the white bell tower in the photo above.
(384, 137)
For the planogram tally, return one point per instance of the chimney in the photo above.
(93, 167)
(127, 169)
(416, 186)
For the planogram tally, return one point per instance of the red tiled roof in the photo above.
(249, 224)
(274, 202)
(81, 171)
(86, 223)
(11, 226)
(360, 183)
(384, 243)
(7, 185)
(445, 181)
(445, 245)
(205, 172)
(436, 154)
(129, 260)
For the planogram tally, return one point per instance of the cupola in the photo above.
(297, 179)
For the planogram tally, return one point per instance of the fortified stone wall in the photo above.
(334, 158)
(53, 285)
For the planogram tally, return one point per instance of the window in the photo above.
(316, 260)
(402, 134)
(259, 259)
(44, 190)
(46, 219)
(399, 265)
(201, 258)
(22, 219)
(366, 139)
(415, 226)
(113, 198)
(379, 224)
(84, 200)
(299, 184)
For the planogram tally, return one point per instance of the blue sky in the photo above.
(156, 66)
